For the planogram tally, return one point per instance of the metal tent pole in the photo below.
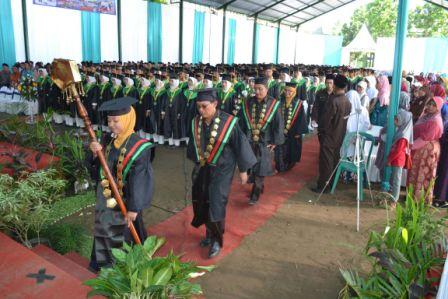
(400, 37)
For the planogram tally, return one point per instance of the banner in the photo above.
(99, 6)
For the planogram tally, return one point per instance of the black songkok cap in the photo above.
(291, 84)
(118, 106)
(261, 80)
(207, 94)
(329, 77)
(340, 81)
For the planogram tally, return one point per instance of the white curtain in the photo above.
(188, 32)
(243, 39)
(170, 33)
(109, 37)
(310, 48)
(19, 41)
(134, 26)
(53, 33)
(266, 44)
(286, 45)
(213, 38)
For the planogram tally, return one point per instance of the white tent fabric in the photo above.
(170, 33)
(363, 41)
(413, 59)
(134, 30)
(109, 37)
(53, 33)
(213, 38)
(310, 48)
(266, 42)
(188, 32)
(287, 45)
(243, 39)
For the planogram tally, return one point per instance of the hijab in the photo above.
(404, 127)
(159, 84)
(145, 82)
(404, 101)
(127, 122)
(429, 127)
(129, 82)
(174, 84)
(438, 91)
(383, 90)
(359, 116)
(194, 83)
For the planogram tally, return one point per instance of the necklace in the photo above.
(203, 156)
(111, 202)
(256, 127)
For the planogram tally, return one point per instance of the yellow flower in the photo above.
(19, 87)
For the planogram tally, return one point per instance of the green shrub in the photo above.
(25, 203)
(68, 237)
(402, 255)
(137, 274)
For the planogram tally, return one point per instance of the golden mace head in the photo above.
(65, 74)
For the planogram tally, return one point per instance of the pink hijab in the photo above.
(383, 90)
(429, 127)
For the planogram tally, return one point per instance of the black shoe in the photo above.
(205, 242)
(215, 249)
(254, 195)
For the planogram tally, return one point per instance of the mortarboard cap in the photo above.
(118, 106)
(207, 94)
(291, 84)
(262, 81)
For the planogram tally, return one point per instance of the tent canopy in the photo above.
(363, 42)
(288, 12)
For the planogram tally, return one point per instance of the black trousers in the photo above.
(328, 160)
(215, 231)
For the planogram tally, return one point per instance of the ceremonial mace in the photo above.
(66, 76)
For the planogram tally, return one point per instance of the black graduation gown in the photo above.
(272, 134)
(227, 100)
(290, 152)
(274, 89)
(144, 105)
(55, 99)
(158, 100)
(174, 107)
(43, 91)
(110, 229)
(92, 92)
(190, 110)
(116, 92)
(211, 183)
(104, 96)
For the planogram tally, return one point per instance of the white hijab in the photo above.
(228, 85)
(359, 116)
(159, 84)
(129, 82)
(116, 81)
(174, 84)
(208, 83)
(194, 83)
(91, 79)
(104, 79)
(145, 82)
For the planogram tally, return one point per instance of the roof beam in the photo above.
(226, 4)
(266, 8)
(316, 8)
(336, 7)
(436, 4)
(299, 10)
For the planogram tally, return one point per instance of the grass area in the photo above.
(71, 205)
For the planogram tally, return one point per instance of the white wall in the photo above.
(134, 28)
(243, 39)
(17, 20)
(170, 33)
(109, 37)
(266, 44)
(53, 33)
(286, 45)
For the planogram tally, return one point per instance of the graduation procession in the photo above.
(223, 149)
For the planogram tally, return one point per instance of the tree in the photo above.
(380, 17)
(429, 21)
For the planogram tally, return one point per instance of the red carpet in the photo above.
(33, 159)
(242, 219)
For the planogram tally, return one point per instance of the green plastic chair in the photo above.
(346, 164)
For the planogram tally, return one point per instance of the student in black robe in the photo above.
(145, 109)
(104, 96)
(262, 122)
(293, 112)
(190, 94)
(217, 145)
(227, 95)
(174, 107)
(158, 99)
(134, 175)
(116, 90)
(332, 129)
(273, 87)
(43, 90)
(90, 99)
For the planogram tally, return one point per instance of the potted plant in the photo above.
(138, 274)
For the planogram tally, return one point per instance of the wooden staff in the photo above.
(66, 76)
